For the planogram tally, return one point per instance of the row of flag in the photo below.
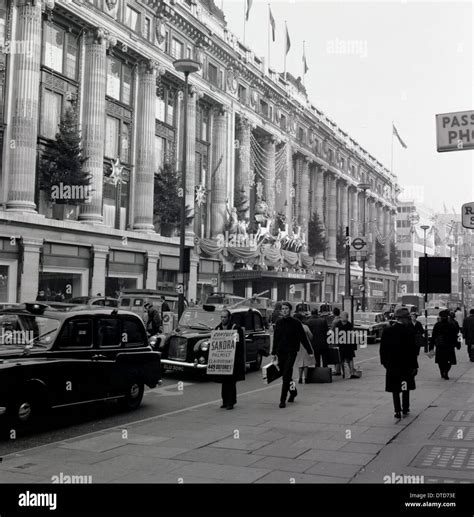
(272, 25)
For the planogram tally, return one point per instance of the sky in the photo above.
(371, 63)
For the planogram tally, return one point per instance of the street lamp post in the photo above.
(364, 187)
(187, 66)
(424, 228)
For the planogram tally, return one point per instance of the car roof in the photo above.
(64, 314)
(221, 307)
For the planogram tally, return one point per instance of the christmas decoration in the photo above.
(200, 195)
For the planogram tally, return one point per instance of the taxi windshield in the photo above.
(200, 319)
(23, 329)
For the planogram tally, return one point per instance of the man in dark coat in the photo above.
(419, 331)
(153, 325)
(468, 333)
(319, 328)
(164, 305)
(445, 339)
(229, 382)
(398, 355)
(289, 335)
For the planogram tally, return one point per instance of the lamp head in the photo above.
(187, 66)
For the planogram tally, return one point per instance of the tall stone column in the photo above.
(99, 271)
(25, 109)
(332, 218)
(303, 186)
(269, 174)
(319, 201)
(152, 269)
(387, 234)
(93, 120)
(242, 168)
(379, 223)
(354, 209)
(30, 274)
(193, 96)
(344, 208)
(219, 179)
(289, 184)
(372, 229)
(145, 164)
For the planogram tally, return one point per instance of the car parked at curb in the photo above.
(52, 358)
(373, 323)
(187, 347)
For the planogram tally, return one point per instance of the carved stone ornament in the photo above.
(253, 97)
(111, 4)
(232, 80)
(160, 31)
(46, 5)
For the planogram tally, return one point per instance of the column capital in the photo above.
(220, 110)
(100, 250)
(153, 255)
(46, 7)
(32, 245)
(98, 35)
(148, 66)
(194, 91)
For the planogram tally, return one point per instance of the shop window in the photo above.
(51, 109)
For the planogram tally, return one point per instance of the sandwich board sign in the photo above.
(455, 131)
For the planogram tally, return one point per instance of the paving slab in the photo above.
(283, 477)
(285, 464)
(349, 458)
(229, 473)
(339, 470)
(245, 445)
(220, 457)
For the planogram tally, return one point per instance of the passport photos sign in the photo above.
(222, 352)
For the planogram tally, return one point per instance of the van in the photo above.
(134, 300)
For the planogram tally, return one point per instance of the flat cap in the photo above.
(402, 312)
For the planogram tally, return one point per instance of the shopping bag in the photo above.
(319, 375)
(271, 372)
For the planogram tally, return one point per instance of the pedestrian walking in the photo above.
(398, 355)
(153, 325)
(419, 331)
(336, 318)
(346, 347)
(229, 382)
(164, 305)
(445, 340)
(319, 328)
(303, 359)
(459, 316)
(289, 335)
(468, 334)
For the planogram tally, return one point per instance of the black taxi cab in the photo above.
(187, 347)
(52, 358)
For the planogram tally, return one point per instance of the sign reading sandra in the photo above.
(468, 215)
(455, 131)
(222, 352)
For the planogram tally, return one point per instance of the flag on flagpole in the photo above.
(249, 6)
(272, 22)
(288, 42)
(395, 132)
(305, 64)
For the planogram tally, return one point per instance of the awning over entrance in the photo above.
(281, 276)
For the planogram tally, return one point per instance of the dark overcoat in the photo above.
(445, 340)
(239, 360)
(346, 350)
(398, 355)
(319, 328)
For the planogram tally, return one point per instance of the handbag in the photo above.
(271, 372)
(319, 375)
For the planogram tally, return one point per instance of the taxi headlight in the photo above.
(202, 345)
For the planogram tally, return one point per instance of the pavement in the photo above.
(344, 432)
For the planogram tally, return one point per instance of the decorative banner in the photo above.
(222, 352)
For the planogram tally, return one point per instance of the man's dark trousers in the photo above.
(405, 401)
(229, 392)
(286, 361)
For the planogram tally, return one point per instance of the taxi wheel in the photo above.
(133, 396)
(25, 410)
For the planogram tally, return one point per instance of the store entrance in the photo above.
(60, 287)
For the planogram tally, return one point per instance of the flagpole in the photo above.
(391, 159)
(268, 37)
(286, 51)
(304, 64)
(245, 18)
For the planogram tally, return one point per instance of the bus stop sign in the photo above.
(468, 215)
